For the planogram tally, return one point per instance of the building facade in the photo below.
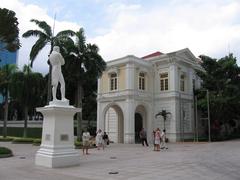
(6, 57)
(132, 90)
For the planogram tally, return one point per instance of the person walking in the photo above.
(105, 140)
(153, 138)
(157, 139)
(143, 137)
(99, 139)
(163, 142)
(85, 139)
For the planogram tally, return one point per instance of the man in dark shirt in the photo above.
(143, 137)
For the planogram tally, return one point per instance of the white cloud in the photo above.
(24, 13)
(206, 27)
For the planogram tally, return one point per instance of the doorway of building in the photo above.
(114, 124)
(138, 126)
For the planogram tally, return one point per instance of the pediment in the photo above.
(186, 55)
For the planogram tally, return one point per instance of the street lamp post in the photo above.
(164, 114)
(209, 124)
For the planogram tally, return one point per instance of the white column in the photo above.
(129, 134)
(190, 83)
(150, 119)
(99, 85)
(130, 76)
(99, 115)
(174, 85)
(172, 133)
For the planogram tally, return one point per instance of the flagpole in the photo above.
(54, 24)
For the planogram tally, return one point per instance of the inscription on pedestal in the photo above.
(64, 137)
(47, 137)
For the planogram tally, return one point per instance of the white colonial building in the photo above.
(132, 90)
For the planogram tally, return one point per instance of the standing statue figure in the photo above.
(57, 61)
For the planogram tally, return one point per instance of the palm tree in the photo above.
(6, 73)
(26, 88)
(45, 36)
(9, 30)
(83, 65)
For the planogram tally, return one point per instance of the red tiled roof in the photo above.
(152, 55)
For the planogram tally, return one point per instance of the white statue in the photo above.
(57, 61)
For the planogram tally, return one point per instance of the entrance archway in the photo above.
(140, 121)
(113, 124)
(138, 126)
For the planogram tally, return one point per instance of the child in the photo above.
(157, 139)
(163, 143)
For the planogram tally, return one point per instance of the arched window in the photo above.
(113, 81)
(141, 81)
(164, 81)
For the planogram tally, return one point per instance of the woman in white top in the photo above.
(157, 139)
(99, 139)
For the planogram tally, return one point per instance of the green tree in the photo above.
(221, 78)
(9, 30)
(26, 88)
(6, 73)
(83, 66)
(45, 36)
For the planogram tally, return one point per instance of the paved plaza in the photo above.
(182, 161)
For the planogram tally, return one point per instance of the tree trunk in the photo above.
(79, 114)
(25, 121)
(49, 85)
(5, 116)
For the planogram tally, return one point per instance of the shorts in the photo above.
(86, 143)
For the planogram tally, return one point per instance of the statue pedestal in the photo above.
(57, 147)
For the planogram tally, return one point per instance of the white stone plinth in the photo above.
(59, 103)
(57, 147)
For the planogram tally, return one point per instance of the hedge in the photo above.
(2, 139)
(18, 132)
(23, 140)
(5, 152)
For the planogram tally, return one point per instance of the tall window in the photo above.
(194, 84)
(141, 83)
(164, 81)
(113, 82)
(182, 83)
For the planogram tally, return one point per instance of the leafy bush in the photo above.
(5, 152)
(23, 140)
(37, 142)
(6, 139)
(78, 144)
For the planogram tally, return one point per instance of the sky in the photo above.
(135, 27)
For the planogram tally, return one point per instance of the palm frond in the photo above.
(65, 33)
(81, 39)
(36, 33)
(62, 40)
(40, 43)
(43, 25)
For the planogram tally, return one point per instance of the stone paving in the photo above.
(182, 161)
